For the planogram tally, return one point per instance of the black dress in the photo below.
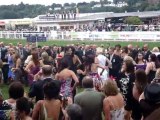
(125, 84)
(151, 75)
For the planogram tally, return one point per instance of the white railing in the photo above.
(21, 34)
(108, 36)
(152, 36)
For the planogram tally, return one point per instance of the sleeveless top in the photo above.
(5, 111)
(117, 114)
(34, 71)
(151, 74)
(95, 76)
(13, 108)
(44, 112)
(66, 90)
(141, 66)
(97, 82)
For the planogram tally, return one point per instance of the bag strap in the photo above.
(45, 111)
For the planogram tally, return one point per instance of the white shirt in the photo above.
(156, 53)
(29, 58)
(102, 59)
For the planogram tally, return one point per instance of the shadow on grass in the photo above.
(4, 90)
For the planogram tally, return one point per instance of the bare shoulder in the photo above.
(57, 75)
(29, 118)
(40, 102)
(106, 100)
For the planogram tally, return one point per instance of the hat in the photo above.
(152, 93)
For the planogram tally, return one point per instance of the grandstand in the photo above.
(88, 26)
(72, 20)
(90, 18)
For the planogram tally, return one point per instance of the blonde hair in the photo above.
(110, 88)
(99, 50)
(155, 49)
(45, 56)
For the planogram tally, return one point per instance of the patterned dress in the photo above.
(117, 114)
(66, 89)
(5, 111)
(97, 82)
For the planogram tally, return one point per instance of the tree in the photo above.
(66, 4)
(9, 15)
(133, 21)
(102, 3)
(73, 5)
(92, 3)
(82, 4)
(25, 10)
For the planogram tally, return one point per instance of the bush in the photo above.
(133, 21)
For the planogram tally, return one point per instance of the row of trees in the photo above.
(29, 11)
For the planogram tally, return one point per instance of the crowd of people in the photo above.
(116, 83)
(104, 26)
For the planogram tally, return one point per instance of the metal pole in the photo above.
(36, 41)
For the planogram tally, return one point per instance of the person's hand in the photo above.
(13, 69)
(70, 101)
(36, 77)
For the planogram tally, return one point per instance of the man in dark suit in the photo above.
(23, 55)
(22, 52)
(4, 58)
(36, 89)
(132, 52)
(90, 101)
(116, 62)
(146, 51)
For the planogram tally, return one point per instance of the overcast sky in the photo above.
(44, 2)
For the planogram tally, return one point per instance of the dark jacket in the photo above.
(146, 55)
(36, 89)
(116, 66)
(92, 104)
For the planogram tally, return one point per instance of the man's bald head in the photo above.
(47, 70)
(87, 82)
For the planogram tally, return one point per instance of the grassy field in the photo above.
(64, 42)
(4, 88)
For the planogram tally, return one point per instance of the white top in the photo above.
(102, 59)
(29, 58)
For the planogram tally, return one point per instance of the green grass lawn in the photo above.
(64, 42)
(4, 90)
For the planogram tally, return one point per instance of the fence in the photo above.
(152, 36)
(22, 35)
